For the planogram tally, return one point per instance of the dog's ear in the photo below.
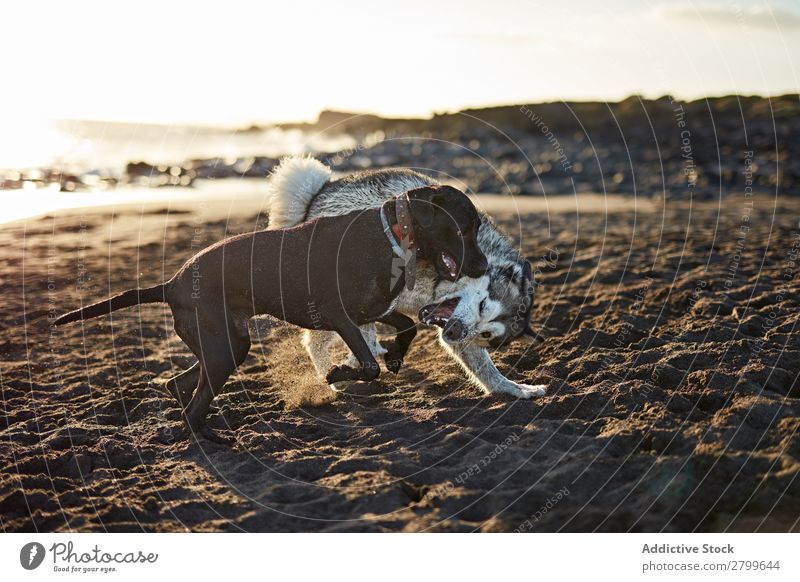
(527, 271)
(527, 276)
(422, 204)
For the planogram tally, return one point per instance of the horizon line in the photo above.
(264, 124)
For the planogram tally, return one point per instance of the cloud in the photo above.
(773, 20)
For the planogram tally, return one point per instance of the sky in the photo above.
(232, 62)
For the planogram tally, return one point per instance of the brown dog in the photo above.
(333, 273)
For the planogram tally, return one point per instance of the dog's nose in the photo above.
(455, 330)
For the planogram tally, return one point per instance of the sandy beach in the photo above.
(669, 348)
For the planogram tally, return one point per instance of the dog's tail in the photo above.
(293, 185)
(124, 299)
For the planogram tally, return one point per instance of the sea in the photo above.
(105, 148)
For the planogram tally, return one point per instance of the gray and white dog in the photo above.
(490, 311)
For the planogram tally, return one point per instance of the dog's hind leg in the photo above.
(220, 347)
(182, 386)
(368, 366)
(406, 332)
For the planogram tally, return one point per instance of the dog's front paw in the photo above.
(522, 391)
(529, 391)
(362, 373)
(340, 374)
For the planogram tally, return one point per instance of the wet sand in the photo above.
(669, 348)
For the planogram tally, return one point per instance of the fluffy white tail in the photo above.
(292, 185)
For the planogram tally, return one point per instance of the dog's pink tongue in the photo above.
(438, 313)
(450, 263)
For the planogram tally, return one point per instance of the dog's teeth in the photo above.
(450, 264)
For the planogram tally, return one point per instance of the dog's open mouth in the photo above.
(438, 313)
(447, 266)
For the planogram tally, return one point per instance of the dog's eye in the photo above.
(487, 335)
(482, 306)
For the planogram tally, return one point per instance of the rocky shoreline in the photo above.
(700, 150)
